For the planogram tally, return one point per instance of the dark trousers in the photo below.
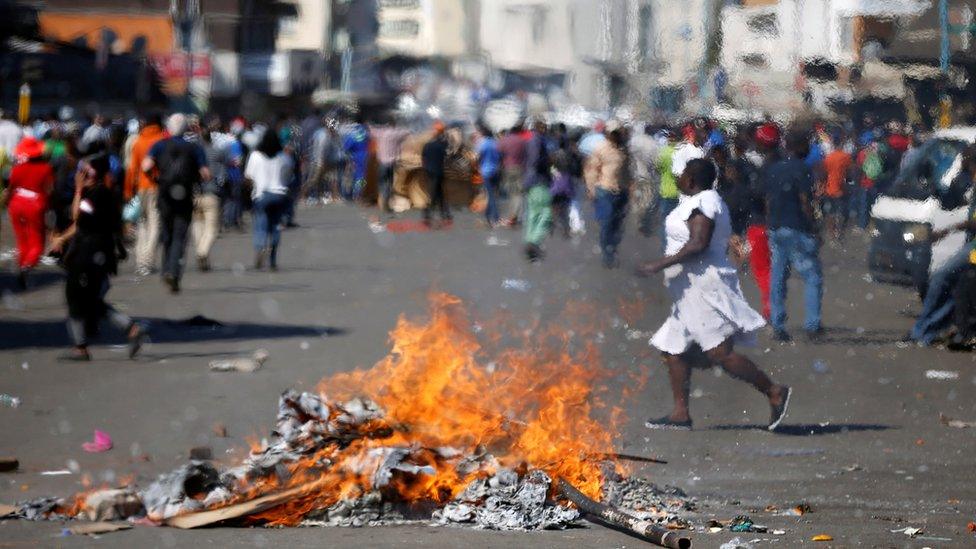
(435, 187)
(611, 208)
(560, 213)
(173, 231)
(387, 172)
(965, 310)
(492, 184)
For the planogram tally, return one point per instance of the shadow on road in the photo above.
(815, 429)
(38, 279)
(860, 336)
(21, 334)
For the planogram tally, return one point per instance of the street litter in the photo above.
(516, 284)
(910, 532)
(245, 364)
(92, 528)
(941, 375)
(56, 473)
(955, 423)
(799, 510)
(393, 444)
(778, 532)
(8, 463)
(201, 453)
(100, 443)
(822, 537)
(7, 510)
(737, 543)
(377, 227)
(220, 430)
(9, 400)
(744, 524)
(495, 241)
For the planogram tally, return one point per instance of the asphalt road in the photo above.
(863, 445)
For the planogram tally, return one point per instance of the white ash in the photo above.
(506, 502)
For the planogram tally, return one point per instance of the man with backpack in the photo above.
(178, 167)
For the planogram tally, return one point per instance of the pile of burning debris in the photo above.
(525, 459)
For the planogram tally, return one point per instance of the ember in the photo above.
(444, 435)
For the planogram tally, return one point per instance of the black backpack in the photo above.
(179, 174)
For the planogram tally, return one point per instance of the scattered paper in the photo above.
(56, 473)
(910, 532)
(942, 375)
(955, 423)
(516, 284)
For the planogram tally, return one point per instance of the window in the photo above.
(765, 24)
(644, 23)
(399, 28)
(755, 61)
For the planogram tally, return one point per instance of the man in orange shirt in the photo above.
(837, 168)
(138, 182)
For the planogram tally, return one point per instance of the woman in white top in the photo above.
(269, 169)
(709, 312)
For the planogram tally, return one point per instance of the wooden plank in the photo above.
(92, 528)
(7, 510)
(213, 516)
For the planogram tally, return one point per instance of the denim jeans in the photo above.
(611, 209)
(491, 184)
(268, 210)
(939, 302)
(865, 200)
(666, 206)
(792, 249)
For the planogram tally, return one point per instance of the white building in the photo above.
(426, 28)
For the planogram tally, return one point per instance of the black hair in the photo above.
(798, 143)
(270, 145)
(100, 163)
(154, 119)
(702, 172)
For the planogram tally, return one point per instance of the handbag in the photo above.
(132, 211)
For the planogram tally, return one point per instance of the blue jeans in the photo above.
(794, 249)
(491, 184)
(268, 210)
(865, 200)
(611, 208)
(939, 302)
(666, 206)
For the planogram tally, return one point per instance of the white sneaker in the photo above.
(143, 271)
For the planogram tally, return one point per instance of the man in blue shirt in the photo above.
(793, 234)
(490, 163)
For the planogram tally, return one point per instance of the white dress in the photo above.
(708, 303)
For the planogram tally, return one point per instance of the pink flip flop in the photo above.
(101, 443)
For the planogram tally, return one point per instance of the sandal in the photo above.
(779, 412)
(137, 337)
(667, 424)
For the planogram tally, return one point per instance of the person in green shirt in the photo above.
(669, 193)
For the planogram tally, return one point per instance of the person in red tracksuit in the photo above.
(31, 181)
(767, 139)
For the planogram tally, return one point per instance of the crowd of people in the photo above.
(89, 191)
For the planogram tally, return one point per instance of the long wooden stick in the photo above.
(618, 520)
(206, 518)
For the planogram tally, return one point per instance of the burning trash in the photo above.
(428, 434)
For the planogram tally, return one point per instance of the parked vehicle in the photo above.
(922, 199)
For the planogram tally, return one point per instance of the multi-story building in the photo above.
(427, 28)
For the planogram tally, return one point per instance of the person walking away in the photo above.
(269, 169)
(668, 190)
(709, 314)
(608, 182)
(938, 301)
(871, 166)
(355, 145)
(432, 158)
(138, 182)
(512, 146)
(389, 138)
(31, 182)
(490, 167)
(837, 167)
(178, 168)
(233, 195)
(767, 138)
(206, 202)
(568, 168)
(90, 251)
(793, 236)
(538, 201)
(733, 186)
(644, 151)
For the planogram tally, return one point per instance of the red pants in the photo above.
(27, 218)
(760, 262)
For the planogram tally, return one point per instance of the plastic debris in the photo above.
(955, 423)
(9, 400)
(909, 531)
(516, 284)
(822, 537)
(55, 473)
(495, 241)
(737, 543)
(100, 443)
(942, 375)
(778, 532)
(377, 227)
(245, 365)
(744, 524)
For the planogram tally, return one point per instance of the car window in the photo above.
(929, 171)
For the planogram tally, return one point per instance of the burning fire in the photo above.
(532, 406)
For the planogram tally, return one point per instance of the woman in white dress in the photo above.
(709, 312)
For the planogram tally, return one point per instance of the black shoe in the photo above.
(782, 336)
(667, 424)
(203, 264)
(22, 279)
(779, 412)
(814, 336)
(172, 282)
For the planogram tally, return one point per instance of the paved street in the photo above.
(863, 445)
